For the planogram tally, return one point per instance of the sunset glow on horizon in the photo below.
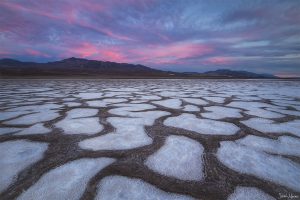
(261, 36)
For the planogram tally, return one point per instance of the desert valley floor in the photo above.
(149, 139)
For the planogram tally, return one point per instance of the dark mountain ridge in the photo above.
(231, 73)
(93, 68)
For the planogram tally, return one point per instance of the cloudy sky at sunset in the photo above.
(181, 35)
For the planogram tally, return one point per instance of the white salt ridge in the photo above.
(249, 193)
(249, 105)
(259, 112)
(38, 99)
(16, 156)
(135, 110)
(89, 95)
(123, 96)
(248, 98)
(149, 97)
(135, 107)
(275, 97)
(148, 117)
(296, 107)
(138, 101)
(269, 126)
(9, 130)
(215, 99)
(113, 94)
(128, 89)
(105, 102)
(287, 112)
(127, 109)
(81, 112)
(53, 95)
(121, 188)
(91, 90)
(169, 103)
(282, 104)
(288, 102)
(9, 115)
(260, 164)
(285, 145)
(220, 112)
(37, 108)
(171, 94)
(72, 104)
(179, 157)
(79, 121)
(35, 129)
(21, 103)
(130, 133)
(69, 99)
(80, 125)
(191, 108)
(256, 109)
(30, 89)
(195, 101)
(67, 181)
(97, 103)
(34, 118)
(41, 113)
(115, 100)
(202, 126)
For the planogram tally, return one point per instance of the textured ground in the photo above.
(149, 139)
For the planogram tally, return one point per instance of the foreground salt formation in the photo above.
(16, 156)
(269, 126)
(183, 154)
(129, 134)
(35, 129)
(202, 126)
(34, 114)
(258, 163)
(118, 188)
(248, 193)
(67, 181)
(149, 139)
(220, 112)
(79, 121)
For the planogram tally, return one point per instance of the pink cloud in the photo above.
(113, 55)
(170, 53)
(33, 52)
(91, 51)
(85, 50)
(219, 60)
(4, 53)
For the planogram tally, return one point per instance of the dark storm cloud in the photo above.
(192, 35)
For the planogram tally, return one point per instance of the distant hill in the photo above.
(238, 74)
(73, 67)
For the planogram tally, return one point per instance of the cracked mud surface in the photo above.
(149, 139)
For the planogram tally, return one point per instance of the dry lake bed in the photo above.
(149, 139)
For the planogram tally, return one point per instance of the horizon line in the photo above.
(72, 57)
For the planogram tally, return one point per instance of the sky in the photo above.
(180, 35)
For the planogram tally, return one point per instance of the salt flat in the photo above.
(149, 139)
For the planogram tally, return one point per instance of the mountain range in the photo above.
(78, 67)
